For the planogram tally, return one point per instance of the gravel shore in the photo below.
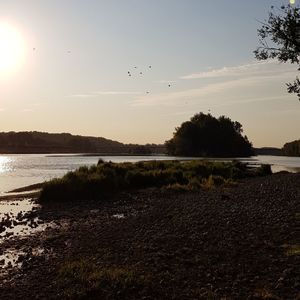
(240, 242)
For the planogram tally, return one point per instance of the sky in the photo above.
(71, 70)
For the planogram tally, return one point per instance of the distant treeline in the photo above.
(268, 151)
(42, 142)
(292, 148)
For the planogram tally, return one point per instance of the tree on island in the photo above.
(279, 38)
(205, 135)
(292, 148)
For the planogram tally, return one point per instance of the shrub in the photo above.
(100, 161)
(264, 170)
(194, 183)
(213, 181)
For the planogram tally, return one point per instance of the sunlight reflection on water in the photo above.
(5, 164)
(16, 223)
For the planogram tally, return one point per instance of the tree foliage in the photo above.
(279, 38)
(292, 148)
(205, 135)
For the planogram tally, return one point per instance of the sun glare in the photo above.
(11, 48)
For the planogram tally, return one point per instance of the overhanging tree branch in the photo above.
(282, 30)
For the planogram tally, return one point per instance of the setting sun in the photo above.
(11, 48)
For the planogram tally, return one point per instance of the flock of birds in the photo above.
(140, 73)
(129, 73)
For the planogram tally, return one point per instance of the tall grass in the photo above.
(107, 177)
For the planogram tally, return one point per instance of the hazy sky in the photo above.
(73, 72)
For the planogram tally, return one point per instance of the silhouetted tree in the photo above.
(279, 38)
(292, 148)
(205, 135)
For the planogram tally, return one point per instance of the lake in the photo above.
(20, 170)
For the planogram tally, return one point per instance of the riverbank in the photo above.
(238, 242)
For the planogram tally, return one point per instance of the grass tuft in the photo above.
(84, 280)
(293, 250)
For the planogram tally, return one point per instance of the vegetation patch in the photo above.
(292, 250)
(107, 177)
(264, 169)
(213, 181)
(84, 280)
(265, 293)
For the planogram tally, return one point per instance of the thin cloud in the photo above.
(177, 98)
(166, 81)
(116, 93)
(181, 113)
(28, 110)
(103, 93)
(234, 88)
(81, 96)
(250, 69)
(286, 111)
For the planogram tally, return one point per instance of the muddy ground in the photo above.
(240, 242)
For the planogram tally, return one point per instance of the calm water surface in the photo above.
(21, 170)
